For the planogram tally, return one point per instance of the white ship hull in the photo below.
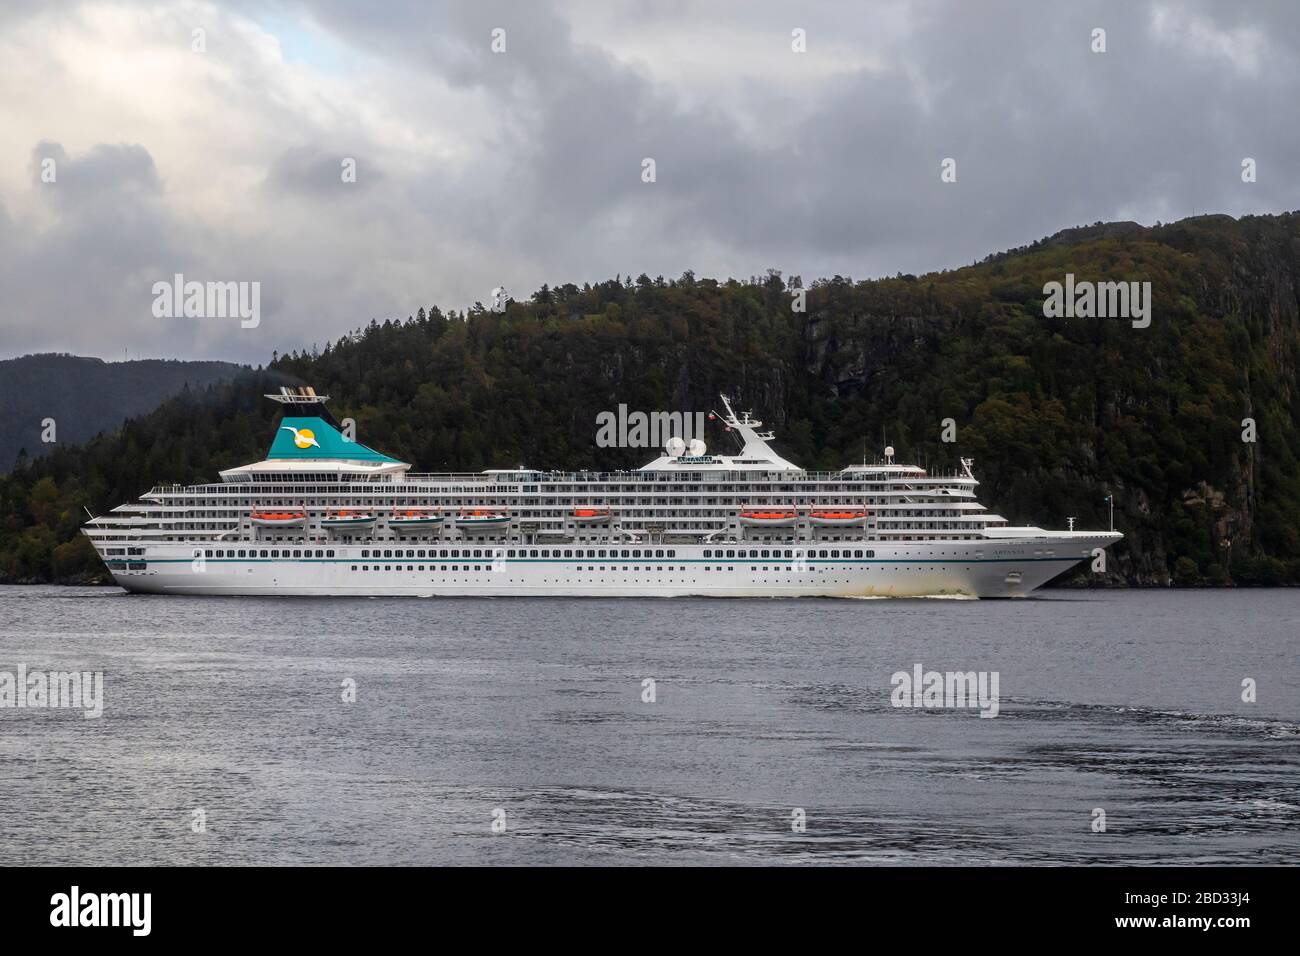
(993, 568)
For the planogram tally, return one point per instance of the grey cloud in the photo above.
(107, 171)
(312, 171)
(838, 173)
(86, 276)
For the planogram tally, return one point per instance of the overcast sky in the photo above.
(477, 168)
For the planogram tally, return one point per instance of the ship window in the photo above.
(478, 552)
(510, 553)
(388, 554)
(672, 553)
(731, 554)
(207, 553)
(320, 553)
(871, 554)
(568, 554)
(821, 554)
(789, 554)
(602, 553)
(857, 554)
(329, 553)
(365, 553)
(627, 553)
(532, 553)
(835, 554)
(767, 554)
(659, 553)
(243, 553)
(354, 567)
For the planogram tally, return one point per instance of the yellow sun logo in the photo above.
(302, 437)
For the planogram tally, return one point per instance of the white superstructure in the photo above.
(324, 515)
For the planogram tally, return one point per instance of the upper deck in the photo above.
(315, 469)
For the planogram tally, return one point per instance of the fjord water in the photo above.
(1128, 701)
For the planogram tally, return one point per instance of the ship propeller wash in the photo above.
(325, 515)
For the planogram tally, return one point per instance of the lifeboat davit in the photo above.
(279, 519)
(481, 519)
(342, 520)
(414, 520)
(838, 518)
(590, 515)
(768, 519)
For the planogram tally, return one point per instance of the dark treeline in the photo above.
(85, 396)
(1057, 413)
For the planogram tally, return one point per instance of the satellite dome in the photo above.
(889, 451)
(697, 448)
(675, 447)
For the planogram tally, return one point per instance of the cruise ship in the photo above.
(325, 515)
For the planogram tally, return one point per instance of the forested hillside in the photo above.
(85, 396)
(1056, 412)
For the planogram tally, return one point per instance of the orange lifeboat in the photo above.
(279, 519)
(839, 518)
(344, 519)
(768, 519)
(414, 519)
(481, 518)
(590, 515)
